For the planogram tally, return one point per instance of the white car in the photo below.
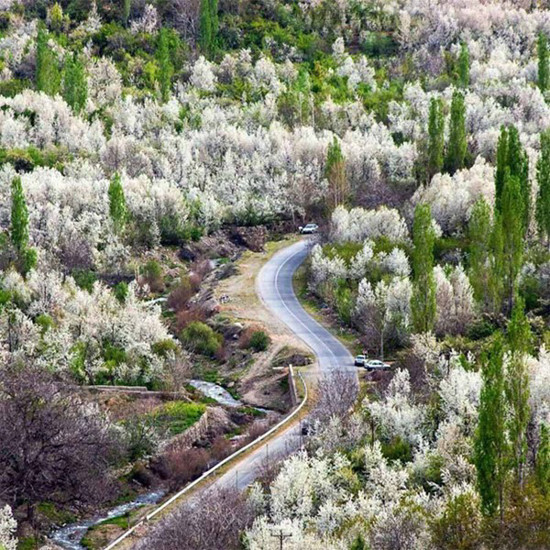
(309, 229)
(375, 364)
(360, 360)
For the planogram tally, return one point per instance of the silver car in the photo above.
(309, 229)
(375, 364)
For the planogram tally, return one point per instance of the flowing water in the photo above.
(70, 536)
(219, 394)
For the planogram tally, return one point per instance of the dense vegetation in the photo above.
(415, 133)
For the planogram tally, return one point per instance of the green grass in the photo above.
(177, 416)
(93, 542)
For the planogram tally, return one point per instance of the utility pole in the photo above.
(281, 536)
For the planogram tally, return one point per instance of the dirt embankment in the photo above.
(264, 383)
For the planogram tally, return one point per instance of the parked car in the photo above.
(360, 360)
(309, 229)
(375, 364)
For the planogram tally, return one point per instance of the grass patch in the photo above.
(94, 539)
(176, 416)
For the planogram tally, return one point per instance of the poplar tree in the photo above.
(512, 160)
(358, 543)
(423, 303)
(47, 77)
(518, 165)
(208, 25)
(166, 69)
(127, 7)
(497, 267)
(543, 179)
(215, 19)
(517, 387)
(542, 465)
(335, 172)
(19, 228)
(19, 216)
(436, 137)
(543, 74)
(512, 220)
(117, 203)
(75, 83)
(457, 146)
(479, 250)
(464, 66)
(490, 445)
(501, 165)
(205, 26)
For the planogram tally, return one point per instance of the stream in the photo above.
(70, 536)
(219, 394)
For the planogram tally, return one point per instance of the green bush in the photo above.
(481, 329)
(397, 449)
(28, 260)
(200, 338)
(163, 347)
(121, 291)
(259, 341)
(84, 278)
(45, 322)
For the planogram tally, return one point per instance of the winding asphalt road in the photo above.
(274, 285)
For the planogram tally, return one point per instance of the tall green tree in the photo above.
(19, 229)
(358, 543)
(117, 203)
(458, 144)
(335, 172)
(214, 11)
(543, 180)
(512, 160)
(517, 387)
(75, 83)
(512, 220)
(501, 164)
(436, 137)
(543, 69)
(19, 216)
(479, 250)
(518, 165)
(423, 303)
(47, 76)
(542, 465)
(126, 9)
(490, 445)
(166, 68)
(208, 25)
(464, 66)
(497, 266)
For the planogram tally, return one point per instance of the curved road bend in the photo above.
(275, 287)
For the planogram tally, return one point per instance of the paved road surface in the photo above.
(275, 288)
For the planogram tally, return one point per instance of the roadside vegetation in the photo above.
(145, 144)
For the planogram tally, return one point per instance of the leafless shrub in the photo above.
(184, 16)
(269, 468)
(336, 394)
(75, 253)
(181, 465)
(52, 446)
(213, 521)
